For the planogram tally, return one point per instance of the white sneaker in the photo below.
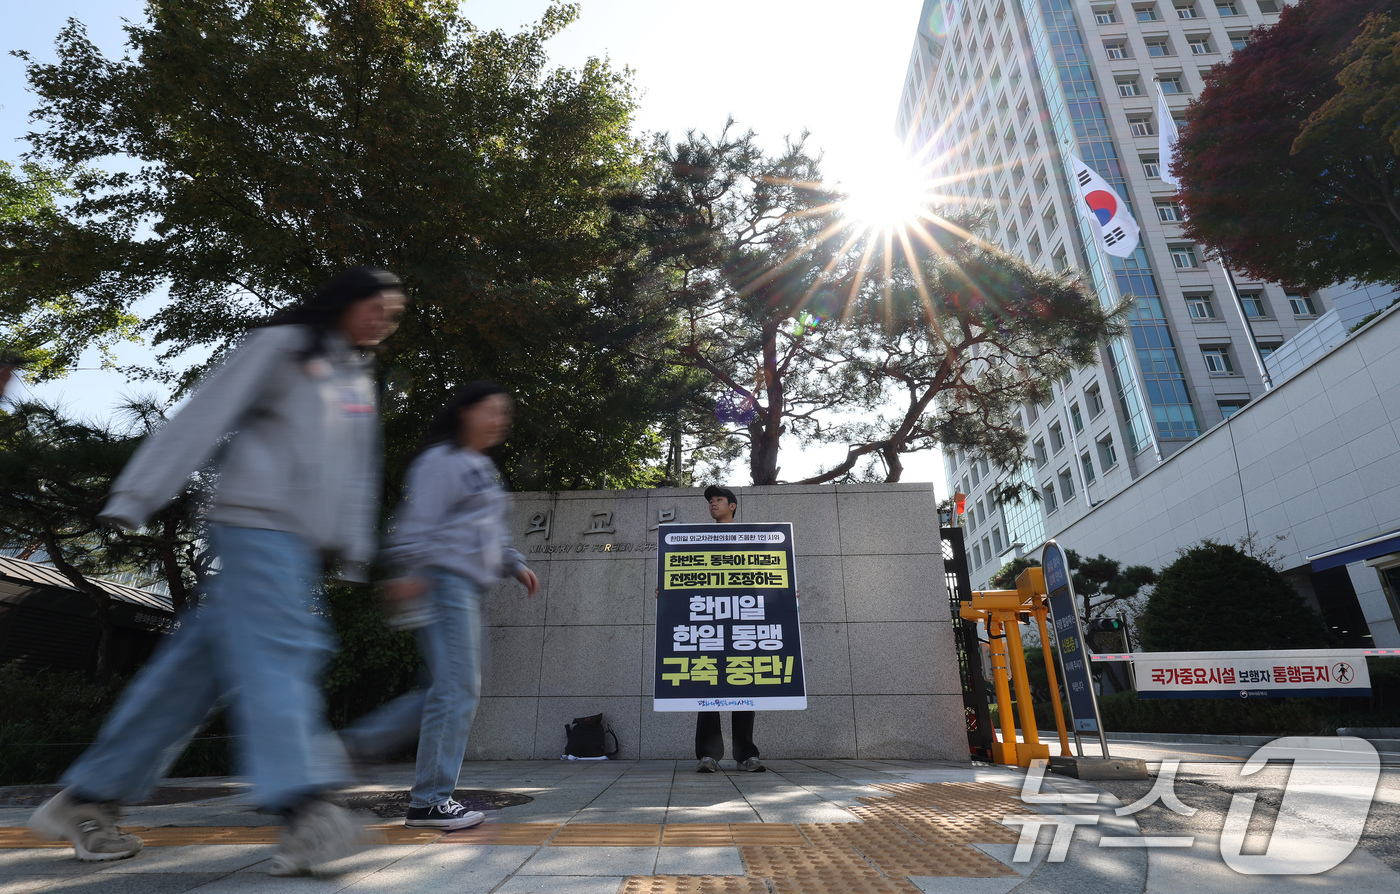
(448, 816)
(91, 827)
(317, 833)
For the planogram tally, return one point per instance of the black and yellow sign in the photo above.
(727, 631)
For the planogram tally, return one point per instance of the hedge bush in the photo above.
(48, 718)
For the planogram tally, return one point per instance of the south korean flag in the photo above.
(1109, 216)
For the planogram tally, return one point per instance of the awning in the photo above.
(1356, 552)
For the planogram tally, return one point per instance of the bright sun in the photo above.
(888, 192)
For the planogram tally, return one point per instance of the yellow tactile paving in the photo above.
(846, 886)
(503, 833)
(16, 837)
(769, 834)
(831, 861)
(607, 835)
(917, 829)
(695, 884)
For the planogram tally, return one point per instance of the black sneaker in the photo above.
(448, 816)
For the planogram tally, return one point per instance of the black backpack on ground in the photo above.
(587, 737)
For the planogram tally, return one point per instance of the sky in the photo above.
(778, 67)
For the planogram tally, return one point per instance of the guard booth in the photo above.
(46, 623)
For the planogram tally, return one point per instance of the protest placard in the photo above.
(727, 631)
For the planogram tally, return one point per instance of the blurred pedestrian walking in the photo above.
(449, 545)
(293, 413)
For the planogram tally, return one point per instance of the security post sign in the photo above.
(1068, 639)
(727, 632)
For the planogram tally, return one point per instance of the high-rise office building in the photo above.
(1002, 96)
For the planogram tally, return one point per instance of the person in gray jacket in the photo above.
(295, 412)
(448, 545)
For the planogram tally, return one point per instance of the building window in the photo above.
(1061, 259)
(976, 478)
(1218, 361)
(987, 548)
(1088, 467)
(1238, 41)
(1108, 457)
(986, 469)
(1168, 212)
(1033, 243)
(1199, 307)
(1057, 438)
(1141, 126)
(1302, 305)
(1094, 396)
(1116, 49)
(1075, 418)
(1032, 413)
(1200, 46)
(1184, 256)
(1105, 16)
(1227, 9)
(1066, 485)
(976, 556)
(1187, 11)
(1266, 350)
(996, 541)
(1128, 86)
(1229, 408)
(1253, 304)
(1150, 168)
(1268, 7)
(1145, 13)
(1157, 46)
(1171, 84)
(1038, 448)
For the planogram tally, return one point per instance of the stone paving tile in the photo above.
(58, 861)
(462, 870)
(592, 861)
(193, 858)
(699, 861)
(133, 883)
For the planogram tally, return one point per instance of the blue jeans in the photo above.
(441, 715)
(255, 643)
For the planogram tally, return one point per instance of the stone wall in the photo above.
(882, 679)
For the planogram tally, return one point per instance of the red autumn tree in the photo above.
(1307, 212)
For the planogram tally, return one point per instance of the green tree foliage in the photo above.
(1215, 597)
(55, 474)
(44, 333)
(807, 327)
(1289, 161)
(1005, 578)
(1102, 583)
(280, 141)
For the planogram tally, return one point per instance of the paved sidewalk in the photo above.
(647, 827)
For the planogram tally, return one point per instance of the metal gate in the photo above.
(974, 684)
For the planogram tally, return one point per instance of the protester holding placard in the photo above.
(709, 739)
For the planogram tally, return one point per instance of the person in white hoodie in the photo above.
(449, 545)
(294, 416)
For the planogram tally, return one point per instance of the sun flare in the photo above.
(889, 192)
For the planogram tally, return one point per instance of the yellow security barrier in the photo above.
(1002, 611)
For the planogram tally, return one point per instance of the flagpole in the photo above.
(1166, 153)
(1248, 327)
